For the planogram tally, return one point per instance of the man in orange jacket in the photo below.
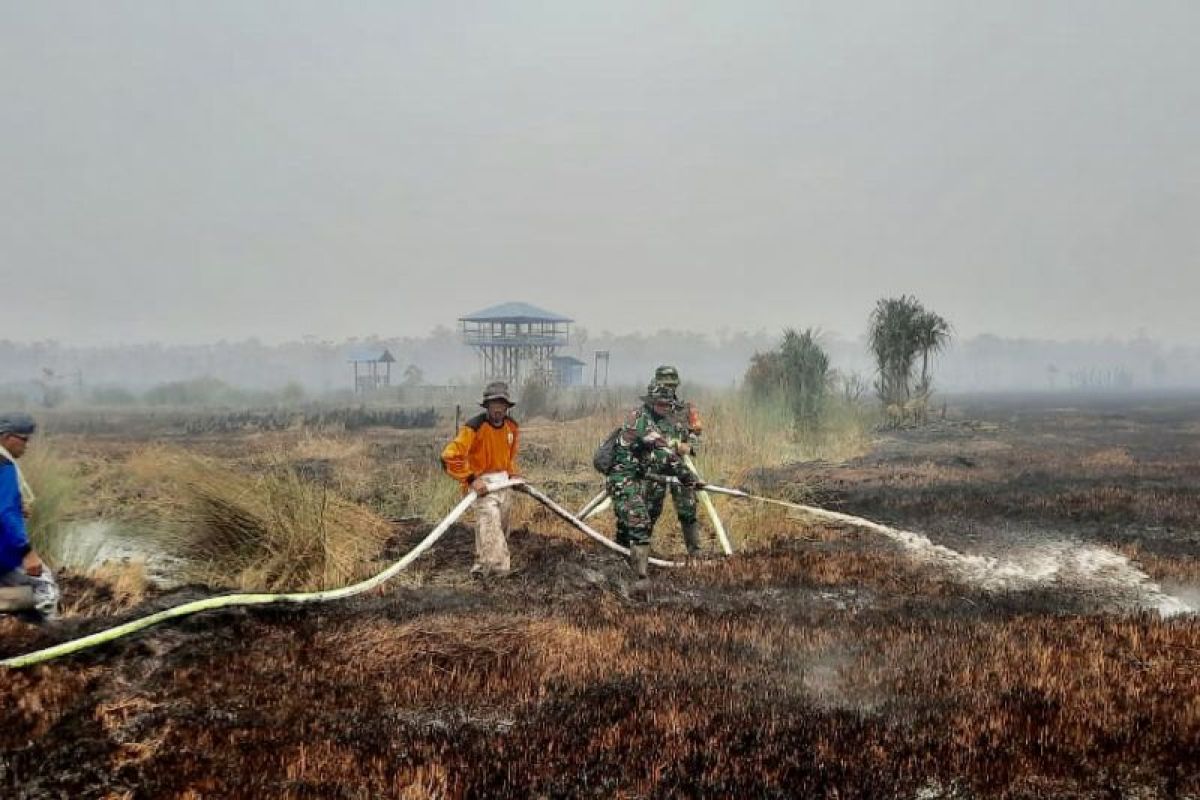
(485, 450)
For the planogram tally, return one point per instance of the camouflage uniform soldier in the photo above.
(642, 451)
(683, 427)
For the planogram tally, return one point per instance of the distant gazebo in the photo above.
(516, 342)
(372, 368)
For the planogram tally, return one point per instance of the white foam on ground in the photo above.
(1074, 565)
(1071, 565)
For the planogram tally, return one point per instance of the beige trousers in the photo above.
(491, 532)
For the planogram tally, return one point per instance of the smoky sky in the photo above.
(195, 171)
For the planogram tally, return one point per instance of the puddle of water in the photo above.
(89, 544)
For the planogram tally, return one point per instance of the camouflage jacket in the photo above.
(677, 426)
(643, 447)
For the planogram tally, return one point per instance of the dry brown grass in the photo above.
(54, 480)
(443, 655)
(34, 701)
(819, 663)
(739, 439)
(1109, 457)
(659, 701)
(270, 529)
(395, 476)
(1183, 568)
(1088, 687)
(107, 589)
(742, 436)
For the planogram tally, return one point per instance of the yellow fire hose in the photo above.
(707, 502)
(579, 524)
(328, 595)
(228, 601)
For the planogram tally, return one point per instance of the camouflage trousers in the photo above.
(637, 502)
(685, 501)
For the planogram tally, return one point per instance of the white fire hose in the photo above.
(602, 502)
(300, 598)
(228, 601)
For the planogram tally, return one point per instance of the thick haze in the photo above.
(187, 172)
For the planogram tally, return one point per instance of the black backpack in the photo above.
(606, 453)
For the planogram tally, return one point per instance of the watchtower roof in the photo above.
(514, 312)
(367, 354)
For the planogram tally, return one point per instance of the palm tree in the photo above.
(893, 340)
(806, 374)
(932, 336)
(900, 329)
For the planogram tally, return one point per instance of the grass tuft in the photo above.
(56, 487)
(271, 529)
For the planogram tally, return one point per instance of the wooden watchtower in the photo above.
(372, 368)
(516, 342)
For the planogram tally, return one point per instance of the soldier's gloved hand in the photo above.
(688, 479)
(683, 448)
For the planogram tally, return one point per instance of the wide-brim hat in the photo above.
(497, 390)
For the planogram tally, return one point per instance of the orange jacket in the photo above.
(480, 448)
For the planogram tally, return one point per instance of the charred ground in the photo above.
(823, 662)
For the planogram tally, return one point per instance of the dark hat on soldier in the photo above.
(18, 422)
(496, 390)
(666, 375)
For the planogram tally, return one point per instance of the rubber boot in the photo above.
(639, 558)
(691, 537)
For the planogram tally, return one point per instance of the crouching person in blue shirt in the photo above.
(26, 584)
